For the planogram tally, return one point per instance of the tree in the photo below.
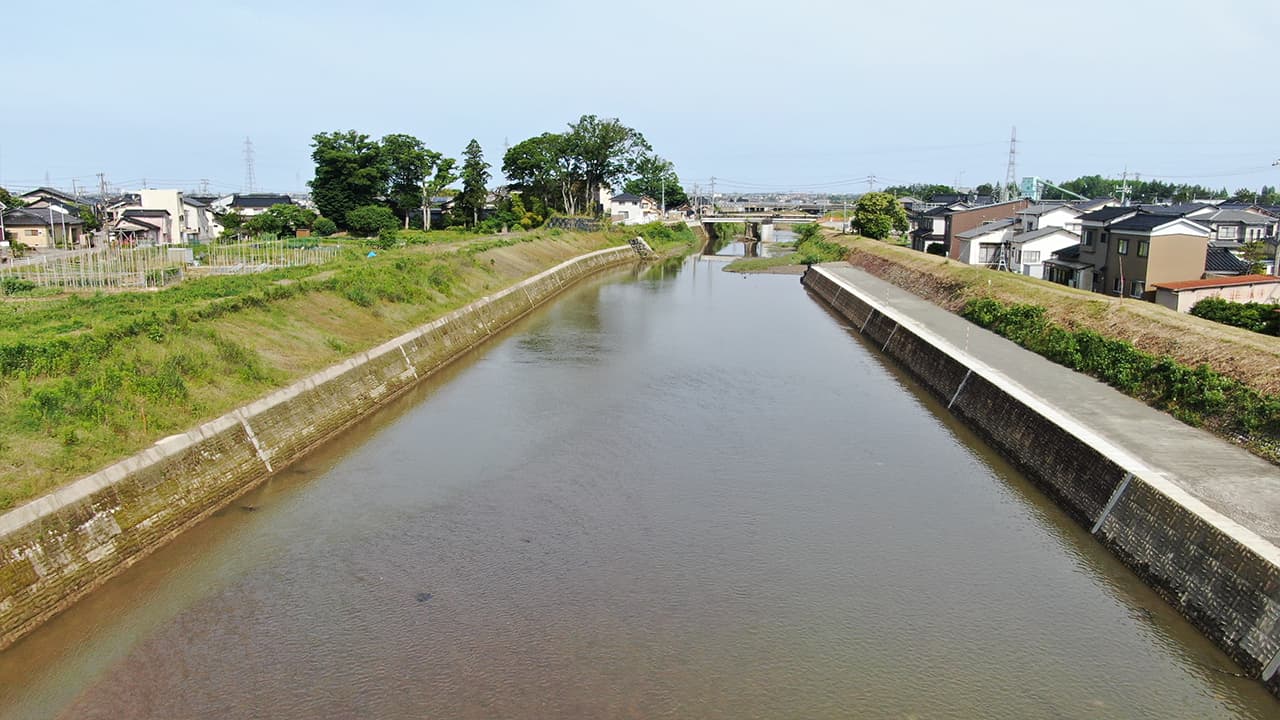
(324, 227)
(985, 189)
(232, 224)
(543, 167)
(433, 186)
(409, 164)
(607, 150)
(369, 220)
(10, 200)
(656, 178)
(877, 214)
(87, 216)
(351, 172)
(281, 219)
(475, 174)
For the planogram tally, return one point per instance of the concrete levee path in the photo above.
(1226, 478)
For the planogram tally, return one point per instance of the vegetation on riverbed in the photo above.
(88, 378)
(812, 245)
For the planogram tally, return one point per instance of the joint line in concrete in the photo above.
(959, 388)
(406, 362)
(1270, 670)
(1111, 503)
(892, 332)
(867, 322)
(253, 439)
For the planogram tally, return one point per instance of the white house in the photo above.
(1031, 249)
(1049, 215)
(982, 245)
(628, 209)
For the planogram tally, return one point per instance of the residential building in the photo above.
(1030, 250)
(930, 223)
(143, 227)
(629, 209)
(1222, 262)
(43, 196)
(1093, 244)
(964, 220)
(1145, 249)
(1049, 215)
(1065, 268)
(250, 204)
(985, 244)
(43, 228)
(1182, 296)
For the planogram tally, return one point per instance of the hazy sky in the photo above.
(780, 95)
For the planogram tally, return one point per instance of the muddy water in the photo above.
(682, 493)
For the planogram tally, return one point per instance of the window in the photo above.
(1088, 238)
(1144, 248)
(1117, 287)
(1136, 288)
(1122, 246)
(988, 253)
(1031, 257)
(31, 231)
(1227, 232)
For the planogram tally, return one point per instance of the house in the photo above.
(1222, 262)
(42, 197)
(250, 204)
(197, 223)
(1049, 215)
(1238, 226)
(143, 227)
(1065, 268)
(43, 228)
(1093, 229)
(1030, 250)
(629, 209)
(1144, 249)
(1183, 295)
(959, 221)
(930, 223)
(985, 244)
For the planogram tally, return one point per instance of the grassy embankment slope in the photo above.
(1251, 359)
(86, 379)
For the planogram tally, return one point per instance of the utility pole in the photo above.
(1124, 188)
(872, 181)
(664, 197)
(1011, 172)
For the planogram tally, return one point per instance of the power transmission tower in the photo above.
(204, 186)
(713, 194)
(1011, 173)
(872, 181)
(102, 187)
(249, 179)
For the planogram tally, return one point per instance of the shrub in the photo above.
(14, 285)
(369, 220)
(1258, 317)
(324, 227)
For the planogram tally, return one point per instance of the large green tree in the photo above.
(475, 176)
(411, 166)
(877, 214)
(281, 219)
(656, 178)
(351, 172)
(544, 167)
(608, 152)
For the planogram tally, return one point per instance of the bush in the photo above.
(369, 220)
(1193, 395)
(1259, 317)
(324, 227)
(14, 285)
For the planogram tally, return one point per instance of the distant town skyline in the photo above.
(813, 96)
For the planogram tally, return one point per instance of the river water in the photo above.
(673, 493)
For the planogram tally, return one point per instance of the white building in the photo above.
(982, 245)
(628, 209)
(1049, 215)
(1031, 249)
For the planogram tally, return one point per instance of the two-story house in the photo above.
(1146, 248)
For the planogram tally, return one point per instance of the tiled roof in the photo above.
(1038, 210)
(986, 228)
(1107, 214)
(1146, 222)
(1042, 232)
(1219, 260)
(1217, 282)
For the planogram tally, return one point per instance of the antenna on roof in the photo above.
(249, 180)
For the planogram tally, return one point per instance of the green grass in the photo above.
(748, 265)
(86, 379)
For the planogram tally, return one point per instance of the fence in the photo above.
(156, 267)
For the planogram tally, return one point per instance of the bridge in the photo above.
(759, 225)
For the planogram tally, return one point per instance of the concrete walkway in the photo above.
(1230, 480)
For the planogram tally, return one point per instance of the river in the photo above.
(672, 493)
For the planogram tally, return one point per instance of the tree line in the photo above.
(1097, 186)
(365, 185)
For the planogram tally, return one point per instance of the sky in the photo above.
(805, 95)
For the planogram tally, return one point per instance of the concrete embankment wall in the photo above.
(1219, 575)
(55, 549)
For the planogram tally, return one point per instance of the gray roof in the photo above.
(1091, 205)
(1038, 210)
(146, 212)
(18, 217)
(1146, 222)
(1219, 260)
(626, 198)
(985, 228)
(1043, 232)
(1067, 253)
(1237, 216)
(259, 200)
(1182, 209)
(1107, 214)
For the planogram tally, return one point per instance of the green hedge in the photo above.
(1196, 396)
(1259, 317)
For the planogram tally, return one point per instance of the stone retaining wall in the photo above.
(60, 546)
(1219, 575)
